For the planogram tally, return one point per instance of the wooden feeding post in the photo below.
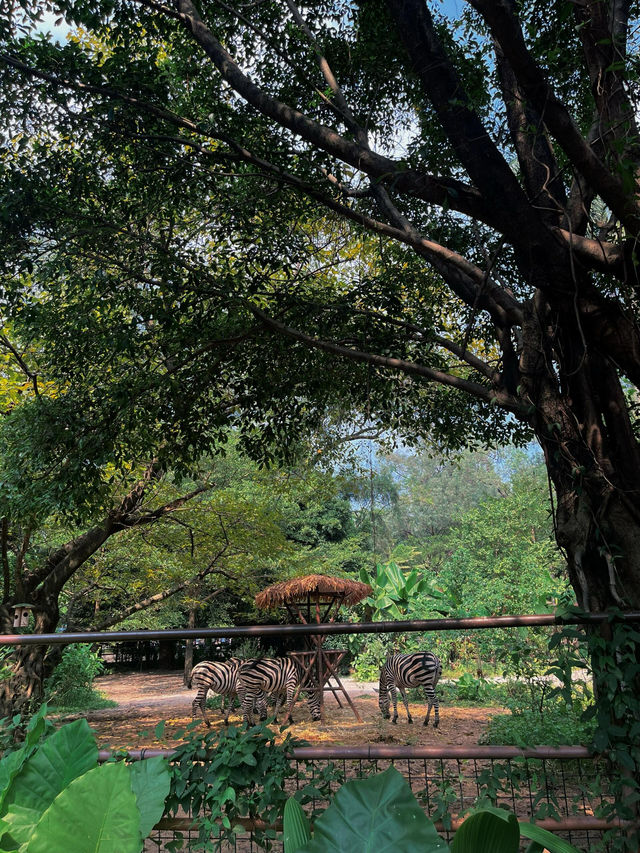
(316, 598)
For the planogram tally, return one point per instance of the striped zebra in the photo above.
(220, 677)
(277, 676)
(420, 669)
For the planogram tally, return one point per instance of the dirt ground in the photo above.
(144, 699)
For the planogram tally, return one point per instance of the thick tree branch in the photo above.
(488, 395)
(31, 375)
(540, 172)
(505, 28)
(479, 155)
(602, 29)
(168, 592)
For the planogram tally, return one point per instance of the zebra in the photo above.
(220, 677)
(279, 676)
(420, 669)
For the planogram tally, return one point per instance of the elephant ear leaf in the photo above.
(375, 815)
(150, 783)
(11, 764)
(66, 754)
(96, 813)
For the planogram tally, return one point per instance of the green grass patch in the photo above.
(81, 701)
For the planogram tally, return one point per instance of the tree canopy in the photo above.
(256, 216)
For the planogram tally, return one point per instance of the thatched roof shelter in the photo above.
(315, 588)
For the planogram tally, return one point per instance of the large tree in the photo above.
(224, 213)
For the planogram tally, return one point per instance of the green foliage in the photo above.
(71, 683)
(54, 782)
(236, 773)
(380, 813)
(614, 652)
(395, 592)
(557, 725)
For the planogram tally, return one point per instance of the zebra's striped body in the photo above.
(277, 676)
(220, 677)
(420, 669)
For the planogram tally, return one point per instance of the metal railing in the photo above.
(547, 784)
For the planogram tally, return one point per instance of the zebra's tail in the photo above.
(189, 680)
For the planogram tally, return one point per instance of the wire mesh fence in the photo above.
(553, 787)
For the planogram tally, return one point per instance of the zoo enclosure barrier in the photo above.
(546, 784)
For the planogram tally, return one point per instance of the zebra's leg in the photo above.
(261, 705)
(383, 697)
(291, 692)
(248, 700)
(201, 702)
(276, 709)
(394, 698)
(432, 699)
(227, 705)
(239, 693)
(403, 693)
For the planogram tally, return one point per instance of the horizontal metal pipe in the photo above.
(399, 753)
(474, 623)
(565, 824)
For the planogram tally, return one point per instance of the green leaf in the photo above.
(297, 832)
(101, 809)
(488, 831)
(150, 782)
(375, 815)
(12, 763)
(66, 754)
(545, 839)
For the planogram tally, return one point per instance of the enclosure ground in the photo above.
(144, 699)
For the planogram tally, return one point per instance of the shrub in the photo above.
(222, 776)
(558, 725)
(71, 683)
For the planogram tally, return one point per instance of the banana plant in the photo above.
(395, 592)
(379, 814)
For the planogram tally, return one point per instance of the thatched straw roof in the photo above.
(314, 587)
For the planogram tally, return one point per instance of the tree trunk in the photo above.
(27, 667)
(188, 653)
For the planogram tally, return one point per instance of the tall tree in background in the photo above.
(221, 212)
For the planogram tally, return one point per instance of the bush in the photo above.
(223, 776)
(557, 726)
(71, 683)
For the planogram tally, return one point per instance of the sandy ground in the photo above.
(144, 699)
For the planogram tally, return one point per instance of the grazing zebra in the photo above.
(219, 677)
(421, 669)
(279, 676)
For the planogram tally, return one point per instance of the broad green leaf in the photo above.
(12, 763)
(66, 754)
(150, 782)
(375, 815)
(296, 826)
(545, 839)
(488, 831)
(96, 813)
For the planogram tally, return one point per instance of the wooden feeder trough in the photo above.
(316, 598)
